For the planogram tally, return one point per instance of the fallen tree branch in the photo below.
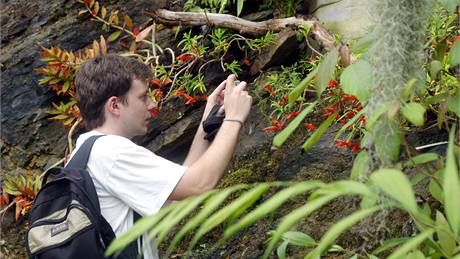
(254, 28)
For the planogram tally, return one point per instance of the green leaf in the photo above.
(210, 205)
(313, 139)
(166, 225)
(217, 218)
(396, 184)
(445, 236)
(387, 146)
(270, 206)
(417, 254)
(363, 43)
(281, 251)
(326, 70)
(414, 112)
(142, 225)
(453, 104)
(356, 80)
(407, 90)
(435, 189)
(361, 165)
(114, 36)
(298, 90)
(239, 7)
(298, 238)
(281, 137)
(344, 187)
(452, 186)
(435, 67)
(421, 159)
(390, 244)
(411, 244)
(292, 218)
(338, 228)
(417, 178)
(454, 54)
(382, 109)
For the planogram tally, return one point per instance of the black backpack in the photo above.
(65, 220)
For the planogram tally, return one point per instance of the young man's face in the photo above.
(135, 112)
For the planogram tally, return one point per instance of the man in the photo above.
(112, 98)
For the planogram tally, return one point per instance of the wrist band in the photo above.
(242, 123)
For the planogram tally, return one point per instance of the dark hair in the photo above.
(100, 78)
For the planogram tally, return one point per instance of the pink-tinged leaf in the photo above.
(144, 33)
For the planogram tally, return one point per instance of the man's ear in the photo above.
(112, 106)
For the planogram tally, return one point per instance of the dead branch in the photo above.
(254, 28)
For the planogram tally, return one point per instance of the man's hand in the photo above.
(237, 101)
(215, 98)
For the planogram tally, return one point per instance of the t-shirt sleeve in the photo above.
(143, 180)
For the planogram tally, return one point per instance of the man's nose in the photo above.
(150, 104)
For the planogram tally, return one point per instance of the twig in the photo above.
(431, 145)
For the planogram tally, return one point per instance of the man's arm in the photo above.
(205, 172)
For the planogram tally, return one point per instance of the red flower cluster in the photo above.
(269, 88)
(186, 57)
(452, 42)
(190, 99)
(309, 126)
(278, 126)
(355, 147)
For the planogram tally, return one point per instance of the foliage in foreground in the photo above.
(379, 188)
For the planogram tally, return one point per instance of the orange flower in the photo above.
(292, 115)
(343, 143)
(453, 41)
(153, 112)
(276, 127)
(309, 126)
(269, 88)
(136, 31)
(355, 148)
(333, 84)
(185, 57)
(247, 62)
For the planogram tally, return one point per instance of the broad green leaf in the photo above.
(386, 145)
(396, 184)
(281, 250)
(382, 109)
(298, 238)
(390, 244)
(409, 245)
(270, 206)
(445, 236)
(167, 224)
(454, 104)
(452, 186)
(417, 178)
(454, 54)
(293, 217)
(361, 165)
(114, 36)
(435, 67)
(421, 159)
(414, 112)
(407, 90)
(220, 216)
(210, 205)
(417, 254)
(356, 79)
(326, 70)
(313, 139)
(436, 191)
(281, 137)
(348, 124)
(363, 43)
(338, 228)
(298, 90)
(141, 226)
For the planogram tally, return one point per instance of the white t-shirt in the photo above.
(126, 177)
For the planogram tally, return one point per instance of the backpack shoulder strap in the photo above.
(80, 159)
